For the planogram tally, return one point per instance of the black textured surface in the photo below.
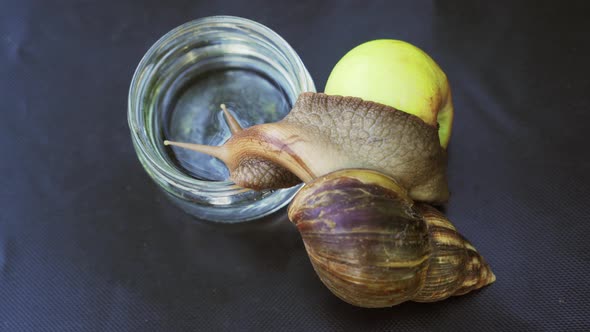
(87, 242)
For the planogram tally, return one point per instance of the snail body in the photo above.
(373, 247)
(324, 133)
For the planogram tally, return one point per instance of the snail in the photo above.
(364, 164)
(372, 246)
(324, 133)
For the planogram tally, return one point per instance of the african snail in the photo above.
(324, 133)
(364, 164)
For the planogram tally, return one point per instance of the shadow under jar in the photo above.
(176, 93)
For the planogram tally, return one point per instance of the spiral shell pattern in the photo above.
(372, 247)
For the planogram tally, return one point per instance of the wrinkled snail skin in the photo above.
(324, 133)
(373, 247)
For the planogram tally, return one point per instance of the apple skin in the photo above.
(397, 74)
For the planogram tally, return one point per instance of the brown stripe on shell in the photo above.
(455, 267)
(477, 274)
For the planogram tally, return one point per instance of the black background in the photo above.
(88, 243)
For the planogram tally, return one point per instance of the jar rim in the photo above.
(161, 170)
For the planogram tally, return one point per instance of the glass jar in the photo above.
(176, 94)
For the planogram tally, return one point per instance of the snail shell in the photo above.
(373, 247)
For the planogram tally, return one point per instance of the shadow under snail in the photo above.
(363, 164)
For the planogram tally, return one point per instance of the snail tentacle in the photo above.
(232, 122)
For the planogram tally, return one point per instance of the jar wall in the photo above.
(175, 94)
